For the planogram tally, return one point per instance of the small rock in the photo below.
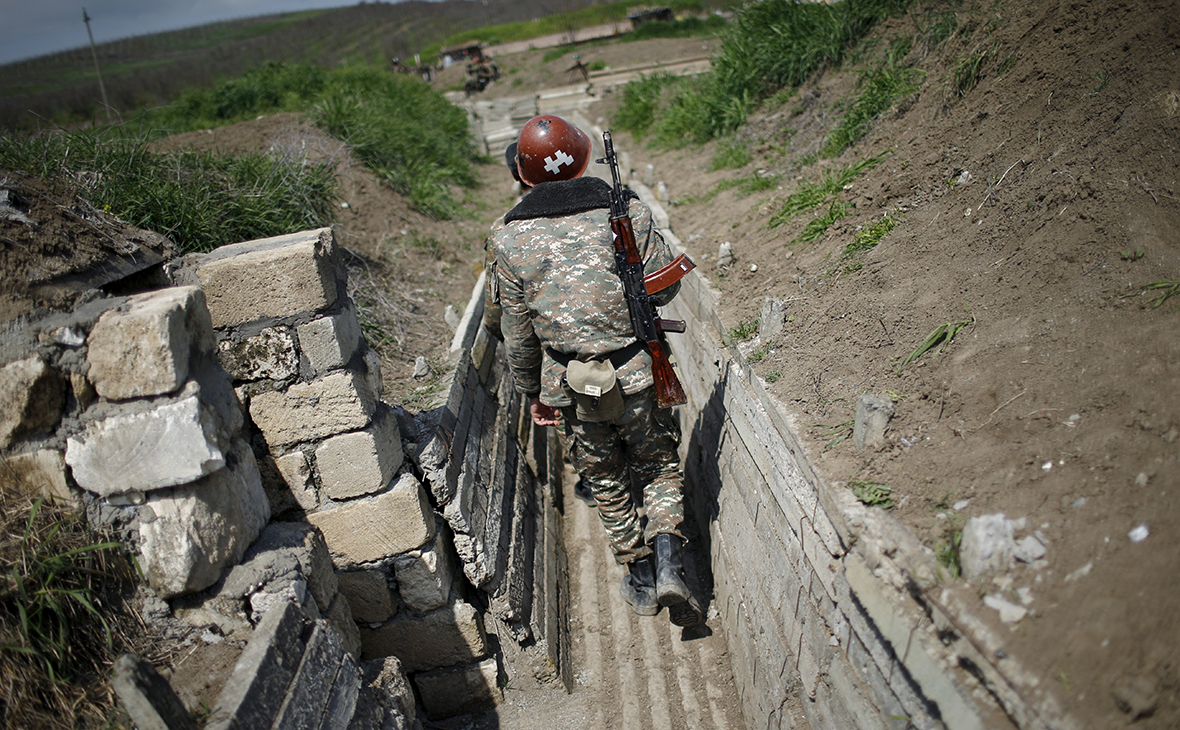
(964, 178)
(422, 369)
(872, 419)
(1141, 480)
(452, 317)
(1081, 572)
(1010, 613)
(1136, 696)
(1139, 534)
(1030, 549)
(725, 255)
(962, 504)
(987, 544)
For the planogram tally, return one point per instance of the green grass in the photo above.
(947, 552)
(967, 70)
(872, 494)
(834, 434)
(198, 200)
(56, 638)
(869, 236)
(743, 331)
(1168, 290)
(731, 153)
(769, 46)
(810, 196)
(938, 338)
(880, 89)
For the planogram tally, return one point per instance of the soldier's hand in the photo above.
(542, 414)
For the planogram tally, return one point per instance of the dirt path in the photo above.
(630, 672)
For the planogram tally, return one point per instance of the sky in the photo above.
(35, 27)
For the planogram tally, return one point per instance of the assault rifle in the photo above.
(639, 289)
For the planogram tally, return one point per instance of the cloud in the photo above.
(31, 28)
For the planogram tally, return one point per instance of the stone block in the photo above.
(270, 354)
(144, 347)
(32, 396)
(342, 696)
(368, 594)
(299, 484)
(329, 342)
(270, 277)
(774, 313)
(188, 535)
(373, 372)
(459, 690)
(255, 691)
(307, 555)
(386, 700)
(149, 445)
(372, 528)
(334, 404)
(424, 576)
(339, 615)
(444, 637)
(41, 474)
(306, 700)
(361, 462)
(147, 697)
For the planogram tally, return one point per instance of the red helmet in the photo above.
(549, 149)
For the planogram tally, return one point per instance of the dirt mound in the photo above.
(56, 245)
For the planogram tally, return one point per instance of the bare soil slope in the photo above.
(1036, 207)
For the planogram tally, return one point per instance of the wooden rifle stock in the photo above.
(669, 391)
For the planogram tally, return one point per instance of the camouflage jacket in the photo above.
(553, 284)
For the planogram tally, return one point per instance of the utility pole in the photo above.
(105, 105)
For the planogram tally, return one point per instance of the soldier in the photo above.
(571, 347)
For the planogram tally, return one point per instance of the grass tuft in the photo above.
(743, 331)
(56, 642)
(939, 337)
(872, 494)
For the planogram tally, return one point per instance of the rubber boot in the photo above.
(639, 587)
(671, 590)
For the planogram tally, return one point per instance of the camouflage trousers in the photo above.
(641, 444)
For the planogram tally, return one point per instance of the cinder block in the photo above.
(368, 594)
(329, 342)
(445, 637)
(361, 462)
(270, 354)
(255, 690)
(270, 278)
(147, 696)
(459, 690)
(32, 396)
(424, 576)
(41, 474)
(149, 445)
(143, 348)
(334, 404)
(381, 526)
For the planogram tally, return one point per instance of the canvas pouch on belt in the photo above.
(597, 394)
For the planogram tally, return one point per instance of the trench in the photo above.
(822, 613)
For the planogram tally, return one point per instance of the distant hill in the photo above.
(151, 69)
